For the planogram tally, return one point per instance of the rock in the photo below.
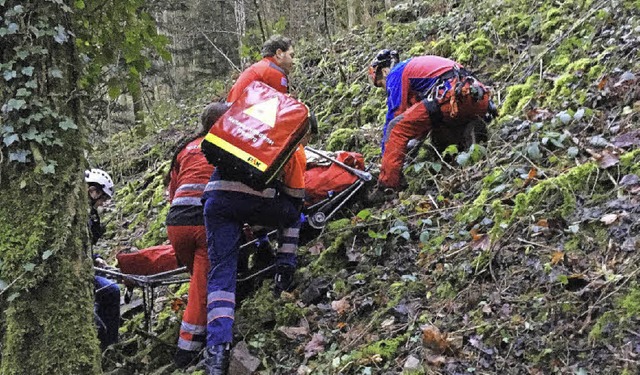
(411, 364)
(242, 362)
(314, 293)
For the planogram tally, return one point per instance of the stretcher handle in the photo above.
(365, 176)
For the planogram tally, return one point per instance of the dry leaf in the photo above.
(315, 346)
(607, 159)
(388, 322)
(533, 172)
(609, 219)
(433, 339)
(474, 235)
(543, 223)
(176, 304)
(341, 306)
(293, 332)
(482, 243)
(557, 257)
(603, 83)
(316, 249)
(436, 360)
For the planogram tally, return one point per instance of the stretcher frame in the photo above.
(322, 212)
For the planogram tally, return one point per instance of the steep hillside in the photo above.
(519, 256)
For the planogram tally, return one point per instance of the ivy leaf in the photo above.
(31, 84)
(29, 267)
(9, 75)
(3, 285)
(364, 214)
(7, 129)
(23, 54)
(462, 158)
(10, 139)
(79, 4)
(61, 34)
(20, 156)
(13, 296)
(12, 28)
(47, 254)
(572, 152)
(49, 169)
(28, 71)
(533, 151)
(67, 124)
(436, 167)
(15, 104)
(450, 150)
(55, 73)
(31, 134)
(23, 184)
(23, 92)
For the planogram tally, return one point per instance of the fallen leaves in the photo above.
(557, 257)
(479, 241)
(294, 332)
(433, 339)
(609, 219)
(341, 306)
(315, 346)
(607, 159)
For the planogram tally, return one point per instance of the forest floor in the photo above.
(517, 256)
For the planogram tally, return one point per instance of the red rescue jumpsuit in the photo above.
(186, 231)
(424, 92)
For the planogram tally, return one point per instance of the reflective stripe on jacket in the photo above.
(189, 177)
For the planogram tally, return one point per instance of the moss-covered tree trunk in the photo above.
(44, 260)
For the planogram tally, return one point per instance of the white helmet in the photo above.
(101, 178)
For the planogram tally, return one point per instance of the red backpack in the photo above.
(254, 139)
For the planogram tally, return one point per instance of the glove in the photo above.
(283, 281)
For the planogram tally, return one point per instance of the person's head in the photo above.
(281, 49)
(211, 113)
(381, 65)
(100, 186)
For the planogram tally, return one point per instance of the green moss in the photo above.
(289, 314)
(518, 96)
(442, 46)
(157, 232)
(342, 139)
(386, 349)
(603, 321)
(479, 47)
(557, 193)
(630, 303)
(630, 162)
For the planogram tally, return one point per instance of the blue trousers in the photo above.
(107, 308)
(225, 212)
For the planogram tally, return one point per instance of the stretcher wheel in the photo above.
(317, 220)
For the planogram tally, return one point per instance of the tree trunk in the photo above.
(366, 16)
(351, 13)
(241, 27)
(48, 306)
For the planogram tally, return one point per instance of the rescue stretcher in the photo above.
(157, 266)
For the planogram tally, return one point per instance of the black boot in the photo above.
(283, 279)
(217, 359)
